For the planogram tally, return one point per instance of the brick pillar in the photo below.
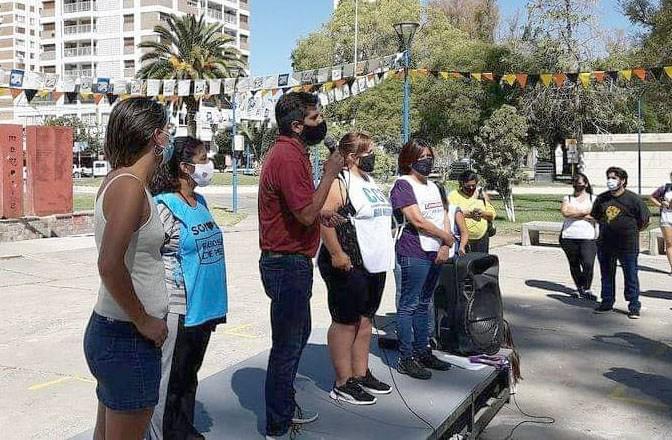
(11, 171)
(49, 162)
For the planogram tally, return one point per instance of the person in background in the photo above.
(195, 276)
(477, 210)
(353, 262)
(290, 210)
(424, 243)
(622, 215)
(123, 338)
(662, 198)
(578, 238)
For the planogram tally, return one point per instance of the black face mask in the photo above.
(314, 135)
(367, 163)
(424, 166)
(468, 191)
(579, 188)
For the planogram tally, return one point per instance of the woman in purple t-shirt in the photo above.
(423, 244)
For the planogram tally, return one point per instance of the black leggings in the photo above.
(581, 257)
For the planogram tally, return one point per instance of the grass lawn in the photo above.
(83, 202)
(221, 179)
(225, 218)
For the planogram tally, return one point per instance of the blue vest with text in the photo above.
(202, 259)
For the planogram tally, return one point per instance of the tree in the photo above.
(92, 135)
(499, 151)
(189, 48)
(260, 136)
(386, 165)
(478, 18)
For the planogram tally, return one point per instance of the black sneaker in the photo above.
(634, 314)
(302, 416)
(603, 308)
(589, 295)
(428, 360)
(412, 367)
(373, 385)
(352, 393)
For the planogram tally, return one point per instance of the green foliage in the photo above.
(91, 134)
(189, 48)
(386, 165)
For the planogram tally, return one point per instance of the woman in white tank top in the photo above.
(124, 336)
(579, 236)
(662, 198)
(353, 262)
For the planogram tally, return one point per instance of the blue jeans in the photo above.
(288, 282)
(418, 281)
(608, 258)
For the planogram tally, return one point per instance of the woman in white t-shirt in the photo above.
(662, 198)
(579, 235)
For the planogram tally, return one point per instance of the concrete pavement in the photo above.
(603, 376)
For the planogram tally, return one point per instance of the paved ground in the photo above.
(602, 377)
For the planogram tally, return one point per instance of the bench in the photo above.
(531, 230)
(656, 242)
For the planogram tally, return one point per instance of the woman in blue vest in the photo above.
(195, 274)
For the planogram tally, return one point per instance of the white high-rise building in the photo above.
(86, 38)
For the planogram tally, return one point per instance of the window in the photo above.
(128, 19)
(243, 18)
(243, 39)
(21, 30)
(129, 64)
(20, 19)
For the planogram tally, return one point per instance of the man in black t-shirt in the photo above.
(622, 215)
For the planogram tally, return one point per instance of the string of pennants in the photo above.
(559, 79)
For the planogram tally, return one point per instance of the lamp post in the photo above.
(406, 32)
(357, 28)
(639, 143)
(234, 158)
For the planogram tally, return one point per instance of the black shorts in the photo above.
(351, 294)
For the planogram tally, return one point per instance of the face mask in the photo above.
(314, 135)
(579, 188)
(167, 152)
(203, 173)
(613, 184)
(367, 163)
(424, 166)
(468, 191)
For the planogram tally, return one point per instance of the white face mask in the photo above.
(203, 173)
(613, 184)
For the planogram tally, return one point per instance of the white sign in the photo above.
(239, 143)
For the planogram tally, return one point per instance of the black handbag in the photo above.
(346, 232)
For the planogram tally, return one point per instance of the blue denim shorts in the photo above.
(126, 365)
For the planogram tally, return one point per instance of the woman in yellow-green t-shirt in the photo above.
(477, 211)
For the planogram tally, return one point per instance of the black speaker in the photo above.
(468, 306)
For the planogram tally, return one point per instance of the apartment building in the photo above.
(87, 38)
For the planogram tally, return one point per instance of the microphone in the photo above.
(330, 143)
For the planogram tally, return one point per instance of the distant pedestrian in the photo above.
(424, 243)
(289, 236)
(477, 210)
(622, 215)
(579, 235)
(124, 336)
(662, 198)
(195, 276)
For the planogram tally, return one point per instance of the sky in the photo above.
(277, 26)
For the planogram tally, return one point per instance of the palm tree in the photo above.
(189, 48)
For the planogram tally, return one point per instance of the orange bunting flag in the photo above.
(510, 79)
(307, 88)
(584, 77)
(668, 70)
(477, 76)
(626, 74)
(599, 75)
(97, 98)
(55, 96)
(522, 79)
(16, 92)
(640, 73)
(559, 79)
(489, 76)
(546, 78)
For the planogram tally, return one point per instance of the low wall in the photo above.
(61, 225)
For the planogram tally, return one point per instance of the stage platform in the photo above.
(230, 404)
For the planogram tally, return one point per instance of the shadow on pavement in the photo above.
(550, 286)
(652, 270)
(571, 301)
(660, 294)
(248, 385)
(653, 385)
(645, 346)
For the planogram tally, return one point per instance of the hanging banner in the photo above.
(136, 87)
(153, 87)
(86, 86)
(16, 79)
(102, 86)
(184, 87)
(199, 87)
(215, 87)
(169, 87)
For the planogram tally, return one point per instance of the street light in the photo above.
(406, 32)
(236, 73)
(357, 27)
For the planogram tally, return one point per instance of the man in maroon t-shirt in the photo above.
(289, 235)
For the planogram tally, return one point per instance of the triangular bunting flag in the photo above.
(532, 79)
(476, 76)
(55, 96)
(613, 75)
(599, 75)
(487, 76)
(640, 73)
(111, 98)
(584, 77)
(43, 93)
(444, 75)
(573, 77)
(657, 73)
(70, 97)
(329, 86)
(16, 92)
(546, 78)
(522, 79)
(510, 79)
(30, 94)
(297, 89)
(668, 71)
(626, 74)
(559, 79)
(97, 98)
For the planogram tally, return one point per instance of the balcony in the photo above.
(129, 72)
(244, 5)
(244, 45)
(77, 29)
(48, 34)
(213, 13)
(84, 73)
(71, 8)
(49, 12)
(77, 52)
(48, 56)
(129, 50)
(230, 19)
